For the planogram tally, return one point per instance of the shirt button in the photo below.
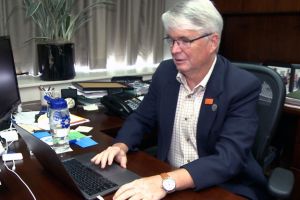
(189, 96)
(187, 139)
(185, 118)
(188, 161)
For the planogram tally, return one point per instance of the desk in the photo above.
(45, 186)
(289, 130)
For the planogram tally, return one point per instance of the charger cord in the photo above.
(14, 164)
(15, 173)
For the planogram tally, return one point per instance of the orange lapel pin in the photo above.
(208, 101)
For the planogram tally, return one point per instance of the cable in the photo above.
(12, 170)
(14, 166)
(7, 146)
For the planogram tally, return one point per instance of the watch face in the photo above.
(169, 184)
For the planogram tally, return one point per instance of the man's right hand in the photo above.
(115, 152)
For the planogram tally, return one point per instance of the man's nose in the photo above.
(175, 47)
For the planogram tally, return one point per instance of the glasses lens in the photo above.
(170, 41)
(184, 43)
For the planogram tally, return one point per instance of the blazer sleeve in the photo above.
(144, 119)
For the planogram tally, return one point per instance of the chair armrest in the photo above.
(281, 183)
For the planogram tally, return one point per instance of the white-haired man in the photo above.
(204, 110)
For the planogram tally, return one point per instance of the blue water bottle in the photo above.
(59, 120)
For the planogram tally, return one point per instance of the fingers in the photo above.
(143, 188)
(107, 157)
(124, 192)
(123, 161)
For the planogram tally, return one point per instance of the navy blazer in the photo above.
(225, 135)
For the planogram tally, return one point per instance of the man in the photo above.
(204, 109)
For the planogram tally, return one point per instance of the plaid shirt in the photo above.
(183, 147)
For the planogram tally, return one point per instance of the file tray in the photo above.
(90, 86)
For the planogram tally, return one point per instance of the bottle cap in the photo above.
(57, 103)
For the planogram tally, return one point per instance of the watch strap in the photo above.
(164, 176)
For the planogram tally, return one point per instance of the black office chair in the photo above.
(269, 108)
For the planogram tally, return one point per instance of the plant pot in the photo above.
(56, 61)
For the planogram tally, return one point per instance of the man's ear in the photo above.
(214, 44)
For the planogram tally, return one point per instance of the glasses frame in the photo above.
(184, 42)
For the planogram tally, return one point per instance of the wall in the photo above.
(260, 31)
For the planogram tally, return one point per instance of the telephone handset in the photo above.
(121, 104)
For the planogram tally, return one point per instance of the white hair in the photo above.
(200, 15)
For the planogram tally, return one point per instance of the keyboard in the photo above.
(87, 180)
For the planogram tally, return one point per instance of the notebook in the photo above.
(103, 181)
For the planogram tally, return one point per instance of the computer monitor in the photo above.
(9, 90)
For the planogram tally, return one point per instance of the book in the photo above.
(92, 86)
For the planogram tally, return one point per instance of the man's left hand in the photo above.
(149, 188)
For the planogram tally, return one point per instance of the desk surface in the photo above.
(45, 186)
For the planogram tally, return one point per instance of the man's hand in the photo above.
(115, 152)
(149, 188)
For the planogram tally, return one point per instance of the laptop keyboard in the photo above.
(87, 180)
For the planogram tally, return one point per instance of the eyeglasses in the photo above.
(184, 42)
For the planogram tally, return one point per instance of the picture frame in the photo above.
(287, 73)
(296, 77)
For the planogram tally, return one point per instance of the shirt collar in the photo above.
(181, 78)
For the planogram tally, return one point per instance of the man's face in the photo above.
(188, 56)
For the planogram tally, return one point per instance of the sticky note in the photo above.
(84, 129)
(85, 142)
(73, 135)
(41, 134)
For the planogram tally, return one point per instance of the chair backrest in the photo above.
(269, 107)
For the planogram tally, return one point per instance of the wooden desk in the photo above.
(289, 130)
(45, 186)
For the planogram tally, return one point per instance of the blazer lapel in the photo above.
(209, 106)
(169, 103)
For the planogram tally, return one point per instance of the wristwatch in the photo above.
(168, 183)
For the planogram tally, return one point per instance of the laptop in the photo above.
(100, 181)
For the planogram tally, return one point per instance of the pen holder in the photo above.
(50, 93)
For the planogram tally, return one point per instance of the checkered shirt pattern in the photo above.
(183, 147)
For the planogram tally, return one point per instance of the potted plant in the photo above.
(57, 22)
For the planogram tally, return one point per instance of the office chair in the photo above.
(269, 108)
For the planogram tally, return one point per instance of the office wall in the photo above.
(261, 31)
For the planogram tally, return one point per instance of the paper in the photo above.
(75, 120)
(90, 107)
(84, 129)
(25, 117)
(30, 127)
(43, 121)
(86, 142)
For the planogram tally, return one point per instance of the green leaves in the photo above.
(56, 19)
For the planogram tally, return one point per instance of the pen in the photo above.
(42, 88)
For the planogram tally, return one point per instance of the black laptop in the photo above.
(78, 172)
